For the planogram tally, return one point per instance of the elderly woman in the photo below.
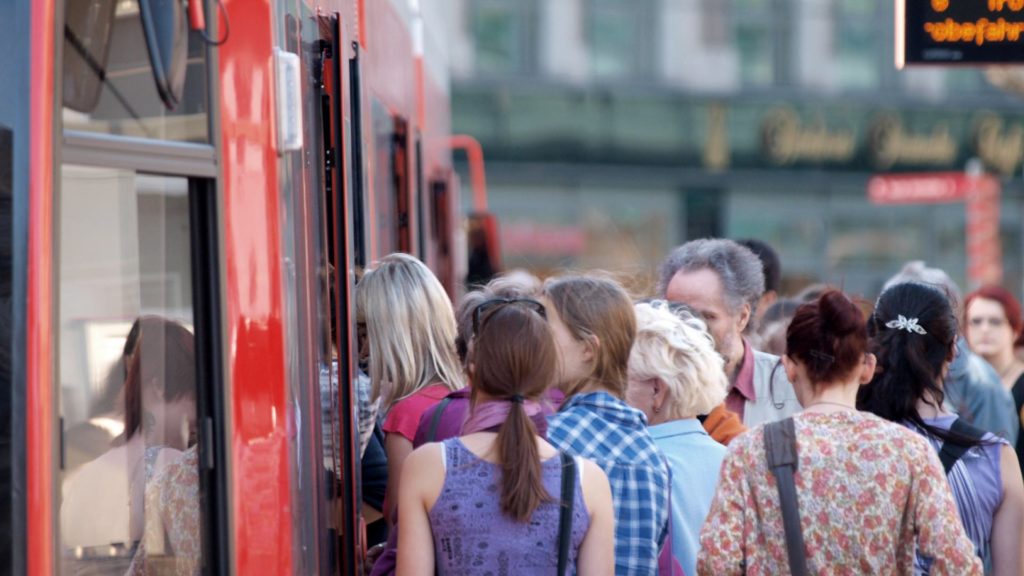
(674, 375)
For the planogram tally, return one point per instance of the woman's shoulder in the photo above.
(404, 416)
(425, 459)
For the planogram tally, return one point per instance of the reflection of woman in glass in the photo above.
(103, 500)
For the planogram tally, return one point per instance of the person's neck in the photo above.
(929, 408)
(1005, 363)
(834, 397)
(734, 363)
(593, 386)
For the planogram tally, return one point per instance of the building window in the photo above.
(714, 27)
(619, 36)
(754, 28)
(856, 43)
(501, 30)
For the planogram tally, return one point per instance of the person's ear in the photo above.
(591, 344)
(789, 365)
(867, 368)
(744, 317)
(660, 393)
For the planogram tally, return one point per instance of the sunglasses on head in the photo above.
(481, 312)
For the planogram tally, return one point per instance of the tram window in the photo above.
(383, 179)
(109, 84)
(127, 374)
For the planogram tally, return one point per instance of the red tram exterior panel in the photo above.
(403, 194)
(254, 312)
(40, 403)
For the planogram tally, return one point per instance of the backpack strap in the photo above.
(952, 451)
(780, 450)
(435, 420)
(565, 511)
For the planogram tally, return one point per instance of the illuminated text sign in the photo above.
(959, 32)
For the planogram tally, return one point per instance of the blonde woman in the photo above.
(674, 375)
(410, 332)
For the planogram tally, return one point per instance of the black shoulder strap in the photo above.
(780, 449)
(952, 451)
(436, 419)
(565, 513)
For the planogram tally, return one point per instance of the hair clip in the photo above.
(903, 323)
(822, 356)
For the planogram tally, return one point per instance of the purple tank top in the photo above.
(977, 485)
(473, 536)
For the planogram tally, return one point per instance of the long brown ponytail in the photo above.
(513, 359)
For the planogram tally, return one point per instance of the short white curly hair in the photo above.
(676, 348)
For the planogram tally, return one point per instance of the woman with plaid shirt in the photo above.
(594, 326)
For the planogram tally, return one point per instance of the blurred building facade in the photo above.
(616, 129)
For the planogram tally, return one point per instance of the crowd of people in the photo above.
(713, 427)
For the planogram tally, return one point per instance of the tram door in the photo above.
(137, 331)
(338, 151)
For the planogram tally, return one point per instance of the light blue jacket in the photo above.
(975, 393)
(695, 461)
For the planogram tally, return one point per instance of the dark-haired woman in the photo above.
(103, 508)
(869, 492)
(913, 335)
(489, 501)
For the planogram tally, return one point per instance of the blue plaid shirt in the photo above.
(598, 426)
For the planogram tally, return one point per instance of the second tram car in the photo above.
(229, 166)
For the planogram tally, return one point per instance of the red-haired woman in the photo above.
(870, 492)
(488, 502)
(993, 326)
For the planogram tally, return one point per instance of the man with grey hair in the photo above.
(723, 281)
(973, 388)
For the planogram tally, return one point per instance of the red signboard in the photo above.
(926, 188)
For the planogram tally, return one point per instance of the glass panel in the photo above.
(791, 222)
(857, 44)
(312, 376)
(754, 44)
(614, 39)
(497, 30)
(384, 178)
(128, 101)
(127, 397)
(857, 56)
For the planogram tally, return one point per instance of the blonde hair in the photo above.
(676, 349)
(410, 327)
(598, 310)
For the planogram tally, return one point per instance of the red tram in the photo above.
(230, 165)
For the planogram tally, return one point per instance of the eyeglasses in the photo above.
(480, 313)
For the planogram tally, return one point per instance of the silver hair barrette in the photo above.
(903, 323)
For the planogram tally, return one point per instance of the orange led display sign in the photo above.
(959, 32)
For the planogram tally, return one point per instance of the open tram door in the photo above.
(483, 249)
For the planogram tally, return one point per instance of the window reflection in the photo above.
(127, 371)
(109, 84)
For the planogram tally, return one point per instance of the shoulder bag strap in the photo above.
(565, 511)
(780, 449)
(435, 420)
(951, 451)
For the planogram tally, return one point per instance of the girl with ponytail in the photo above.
(913, 334)
(490, 500)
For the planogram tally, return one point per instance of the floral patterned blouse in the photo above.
(170, 543)
(868, 491)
